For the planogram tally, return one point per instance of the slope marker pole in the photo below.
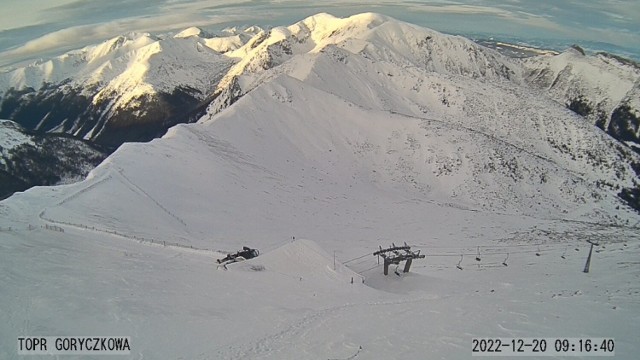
(587, 265)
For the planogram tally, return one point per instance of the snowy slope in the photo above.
(175, 304)
(372, 36)
(600, 81)
(524, 119)
(12, 135)
(601, 87)
(348, 150)
(281, 135)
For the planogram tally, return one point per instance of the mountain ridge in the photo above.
(370, 60)
(130, 88)
(117, 67)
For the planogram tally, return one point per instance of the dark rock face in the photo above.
(46, 108)
(583, 107)
(624, 125)
(70, 110)
(580, 106)
(10, 184)
(49, 160)
(73, 115)
(225, 97)
(150, 119)
(631, 196)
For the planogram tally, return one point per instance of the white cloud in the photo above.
(606, 21)
(19, 13)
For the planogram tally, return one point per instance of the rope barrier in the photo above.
(357, 258)
(360, 272)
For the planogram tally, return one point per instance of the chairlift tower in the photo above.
(397, 254)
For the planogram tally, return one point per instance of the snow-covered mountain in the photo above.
(129, 88)
(28, 159)
(503, 106)
(343, 135)
(381, 64)
(522, 151)
(603, 88)
(374, 37)
(401, 108)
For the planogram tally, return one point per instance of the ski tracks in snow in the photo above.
(138, 189)
(140, 239)
(280, 340)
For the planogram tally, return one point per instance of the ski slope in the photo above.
(289, 303)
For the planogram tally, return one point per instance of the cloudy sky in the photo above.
(34, 28)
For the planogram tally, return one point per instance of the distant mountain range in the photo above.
(464, 122)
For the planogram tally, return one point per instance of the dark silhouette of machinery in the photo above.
(396, 254)
(245, 254)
